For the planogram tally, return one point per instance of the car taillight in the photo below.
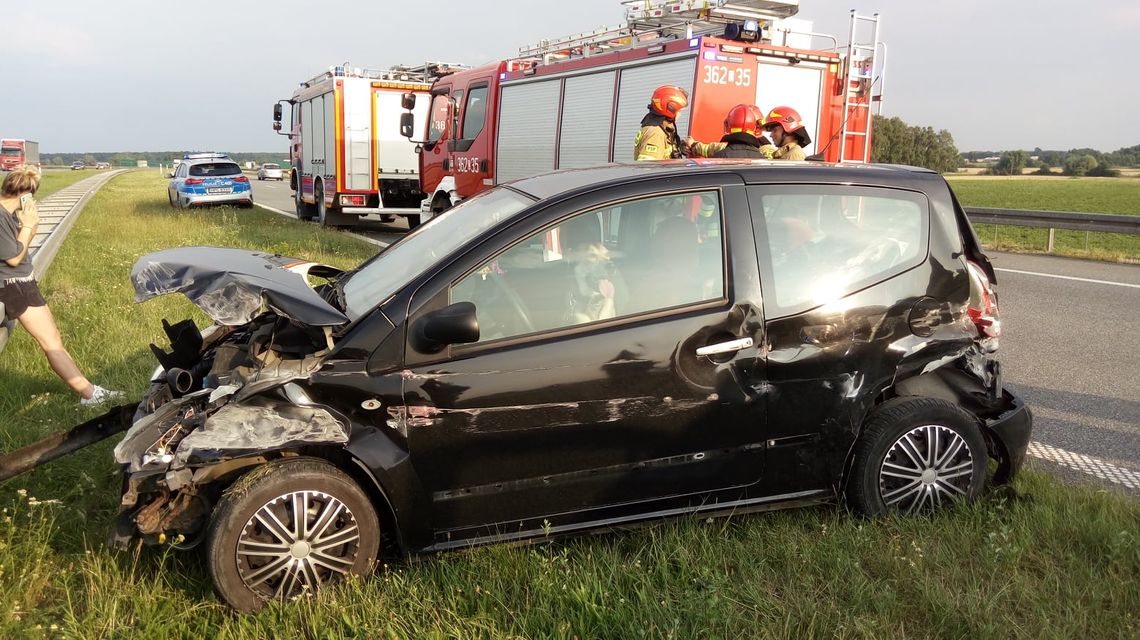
(194, 181)
(983, 308)
(241, 179)
(352, 201)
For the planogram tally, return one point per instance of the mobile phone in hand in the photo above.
(25, 199)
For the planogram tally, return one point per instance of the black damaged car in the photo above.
(574, 351)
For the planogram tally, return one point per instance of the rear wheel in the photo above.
(287, 529)
(916, 454)
(170, 197)
(326, 216)
(305, 211)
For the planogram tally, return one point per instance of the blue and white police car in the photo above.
(209, 178)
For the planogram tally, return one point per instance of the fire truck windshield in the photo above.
(386, 273)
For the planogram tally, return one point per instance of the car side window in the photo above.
(666, 252)
(820, 243)
(475, 112)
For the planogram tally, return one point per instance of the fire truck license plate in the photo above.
(219, 190)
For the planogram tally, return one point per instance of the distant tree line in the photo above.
(153, 158)
(1074, 162)
(896, 142)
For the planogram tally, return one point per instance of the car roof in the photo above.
(564, 182)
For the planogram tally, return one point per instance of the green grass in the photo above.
(1058, 561)
(1093, 195)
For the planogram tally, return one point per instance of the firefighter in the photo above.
(657, 139)
(788, 132)
(741, 125)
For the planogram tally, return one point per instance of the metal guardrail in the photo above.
(1099, 222)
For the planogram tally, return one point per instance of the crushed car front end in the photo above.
(227, 398)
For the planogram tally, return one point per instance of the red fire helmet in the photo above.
(786, 117)
(744, 118)
(668, 100)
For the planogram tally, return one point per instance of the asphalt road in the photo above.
(1071, 346)
(278, 195)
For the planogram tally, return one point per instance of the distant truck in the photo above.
(14, 152)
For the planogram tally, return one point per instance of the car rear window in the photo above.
(820, 243)
(270, 166)
(214, 169)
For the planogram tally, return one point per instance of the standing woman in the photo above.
(18, 289)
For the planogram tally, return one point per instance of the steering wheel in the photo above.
(517, 321)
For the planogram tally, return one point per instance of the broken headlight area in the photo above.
(223, 400)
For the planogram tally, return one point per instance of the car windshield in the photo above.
(378, 279)
(211, 169)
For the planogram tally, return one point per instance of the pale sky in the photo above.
(122, 75)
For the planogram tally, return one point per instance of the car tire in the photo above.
(916, 454)
(256, 551)
(170, 198)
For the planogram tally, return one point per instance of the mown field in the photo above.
(1044, 560)
(1093, 195)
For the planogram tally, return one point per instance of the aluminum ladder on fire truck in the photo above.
(649, 20)
(863, 70)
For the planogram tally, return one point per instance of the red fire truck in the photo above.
(348, 157)
(579, 101)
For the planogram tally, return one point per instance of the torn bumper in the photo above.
(1009, 432)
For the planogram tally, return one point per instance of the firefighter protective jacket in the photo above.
(657, 139)
(734, 145)
(790, 151)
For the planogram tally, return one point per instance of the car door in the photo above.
(585, 398)
(844, 271)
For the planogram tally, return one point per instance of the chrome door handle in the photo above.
(725, 347)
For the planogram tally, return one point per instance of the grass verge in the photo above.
(1059, 561)
(1092, 195)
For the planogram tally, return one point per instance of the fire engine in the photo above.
(578, 101)
(348, 159)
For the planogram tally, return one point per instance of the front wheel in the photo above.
(916, 454)
(287, 529)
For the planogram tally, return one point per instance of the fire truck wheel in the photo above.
(304, 209)
(413, 221)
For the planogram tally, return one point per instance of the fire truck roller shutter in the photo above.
(528, 125)
(798, 86)
(307, 142)
(587, 116)
(328, 113)
(357, 134)
(636, 87)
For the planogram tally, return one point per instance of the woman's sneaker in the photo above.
(100, 396)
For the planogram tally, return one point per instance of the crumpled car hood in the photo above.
(230, 285)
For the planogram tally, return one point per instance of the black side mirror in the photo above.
(453, 324)
(408, 101)
(407, 125)
(277, 115)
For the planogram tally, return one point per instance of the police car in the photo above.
(208, 178)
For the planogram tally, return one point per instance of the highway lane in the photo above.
(1071, 345)
(278, 195)
(1071, 348)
